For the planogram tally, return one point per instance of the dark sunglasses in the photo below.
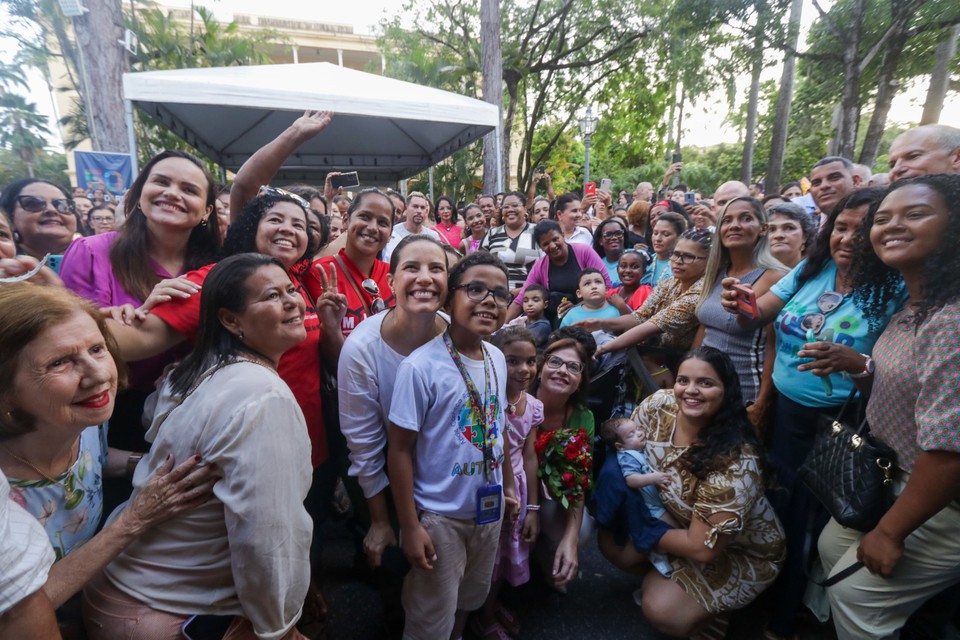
(33, 204)
(370, 286)
(479, 292)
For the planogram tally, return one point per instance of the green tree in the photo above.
(22, 128)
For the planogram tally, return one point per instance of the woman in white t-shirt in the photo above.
(368, 366)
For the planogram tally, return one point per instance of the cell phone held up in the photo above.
(589, 189)
(346, 180)
(747, 302)
(690, 198)
(606, 185)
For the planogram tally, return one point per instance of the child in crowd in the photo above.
(446, 452)
(630, 441)
(524, 415)
(534, 305)
(592, 290)
(475, 228)
(631, 269)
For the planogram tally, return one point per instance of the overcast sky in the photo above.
(703, 122)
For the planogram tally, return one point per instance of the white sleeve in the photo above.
(264, 454)
(410, 397)
(25, 552)
(361, 420)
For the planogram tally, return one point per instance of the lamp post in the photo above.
(588, 125)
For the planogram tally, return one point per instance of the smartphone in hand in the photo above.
(690, 198)
(747, 302)
(606, 185)
(589, 189)
(346, 180)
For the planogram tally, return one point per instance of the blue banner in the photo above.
(96, 170)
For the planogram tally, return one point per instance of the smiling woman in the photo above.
(226, 403)
(43, 217)
(57, 391)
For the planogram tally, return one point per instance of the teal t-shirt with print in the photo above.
(844, 325)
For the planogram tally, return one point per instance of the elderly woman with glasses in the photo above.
(823, 342)
(43, 217)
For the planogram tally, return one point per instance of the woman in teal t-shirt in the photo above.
(823, 341)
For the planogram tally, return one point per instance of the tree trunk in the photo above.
(103, 62)
(492, 67)
(781, 120)
(940, 79)
(850, 102)
(512, 93)
(746, 162)
(887, 83)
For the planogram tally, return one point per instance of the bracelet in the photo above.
(533, 507)
(132, 461)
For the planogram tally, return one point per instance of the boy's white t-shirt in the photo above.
(430, 397)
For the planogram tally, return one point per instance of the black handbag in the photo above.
(850, 472)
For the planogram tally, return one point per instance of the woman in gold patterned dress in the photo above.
(729, 546)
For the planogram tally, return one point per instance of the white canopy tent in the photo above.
(385, 129)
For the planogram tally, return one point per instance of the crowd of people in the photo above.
(189, 395)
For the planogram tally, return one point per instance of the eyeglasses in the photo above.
(33, 204)
(608, 235)
(574, 367)
(827, 302)
(370, 286)
(685, 258)
(479, 292)
(101, 219)
(273, 192)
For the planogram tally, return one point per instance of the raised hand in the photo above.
(313, 122)
(331, 305)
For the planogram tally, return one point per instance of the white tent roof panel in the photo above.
(385, 129)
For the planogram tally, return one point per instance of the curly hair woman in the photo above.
(729, 546)
(914, 552)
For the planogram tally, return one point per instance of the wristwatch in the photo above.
(868, 368)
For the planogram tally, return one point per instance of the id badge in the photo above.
(489, 503)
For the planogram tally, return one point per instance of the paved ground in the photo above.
(598, 606)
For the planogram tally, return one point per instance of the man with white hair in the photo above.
(863, 172)
(931, 148)
(644, 191)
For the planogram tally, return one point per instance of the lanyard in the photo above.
(482, 408)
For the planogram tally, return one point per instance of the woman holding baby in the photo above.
(728, 547)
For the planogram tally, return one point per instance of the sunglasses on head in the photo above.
(274, 192)
(34, 204)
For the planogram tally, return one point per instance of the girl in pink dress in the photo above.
(524, 415)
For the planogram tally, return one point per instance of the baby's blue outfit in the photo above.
(631, 462)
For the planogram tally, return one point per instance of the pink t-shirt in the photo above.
(86, 270)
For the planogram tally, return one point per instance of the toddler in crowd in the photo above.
(592, 290)
(534, 305)
(524, 413)
(629, 441)
(446, 451)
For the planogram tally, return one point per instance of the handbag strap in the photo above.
(353, 283)
(841, 575)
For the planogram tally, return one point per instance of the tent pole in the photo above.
(131, 136)
(430, 179)
(499, 137)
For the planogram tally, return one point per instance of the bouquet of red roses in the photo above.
(565, 464)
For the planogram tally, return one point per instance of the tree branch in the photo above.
(828, 20)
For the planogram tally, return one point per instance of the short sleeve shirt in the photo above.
(913, 405)
(844, 325)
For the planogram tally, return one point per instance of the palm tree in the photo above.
(22, 128)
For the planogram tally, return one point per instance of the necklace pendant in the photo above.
(511, 409)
